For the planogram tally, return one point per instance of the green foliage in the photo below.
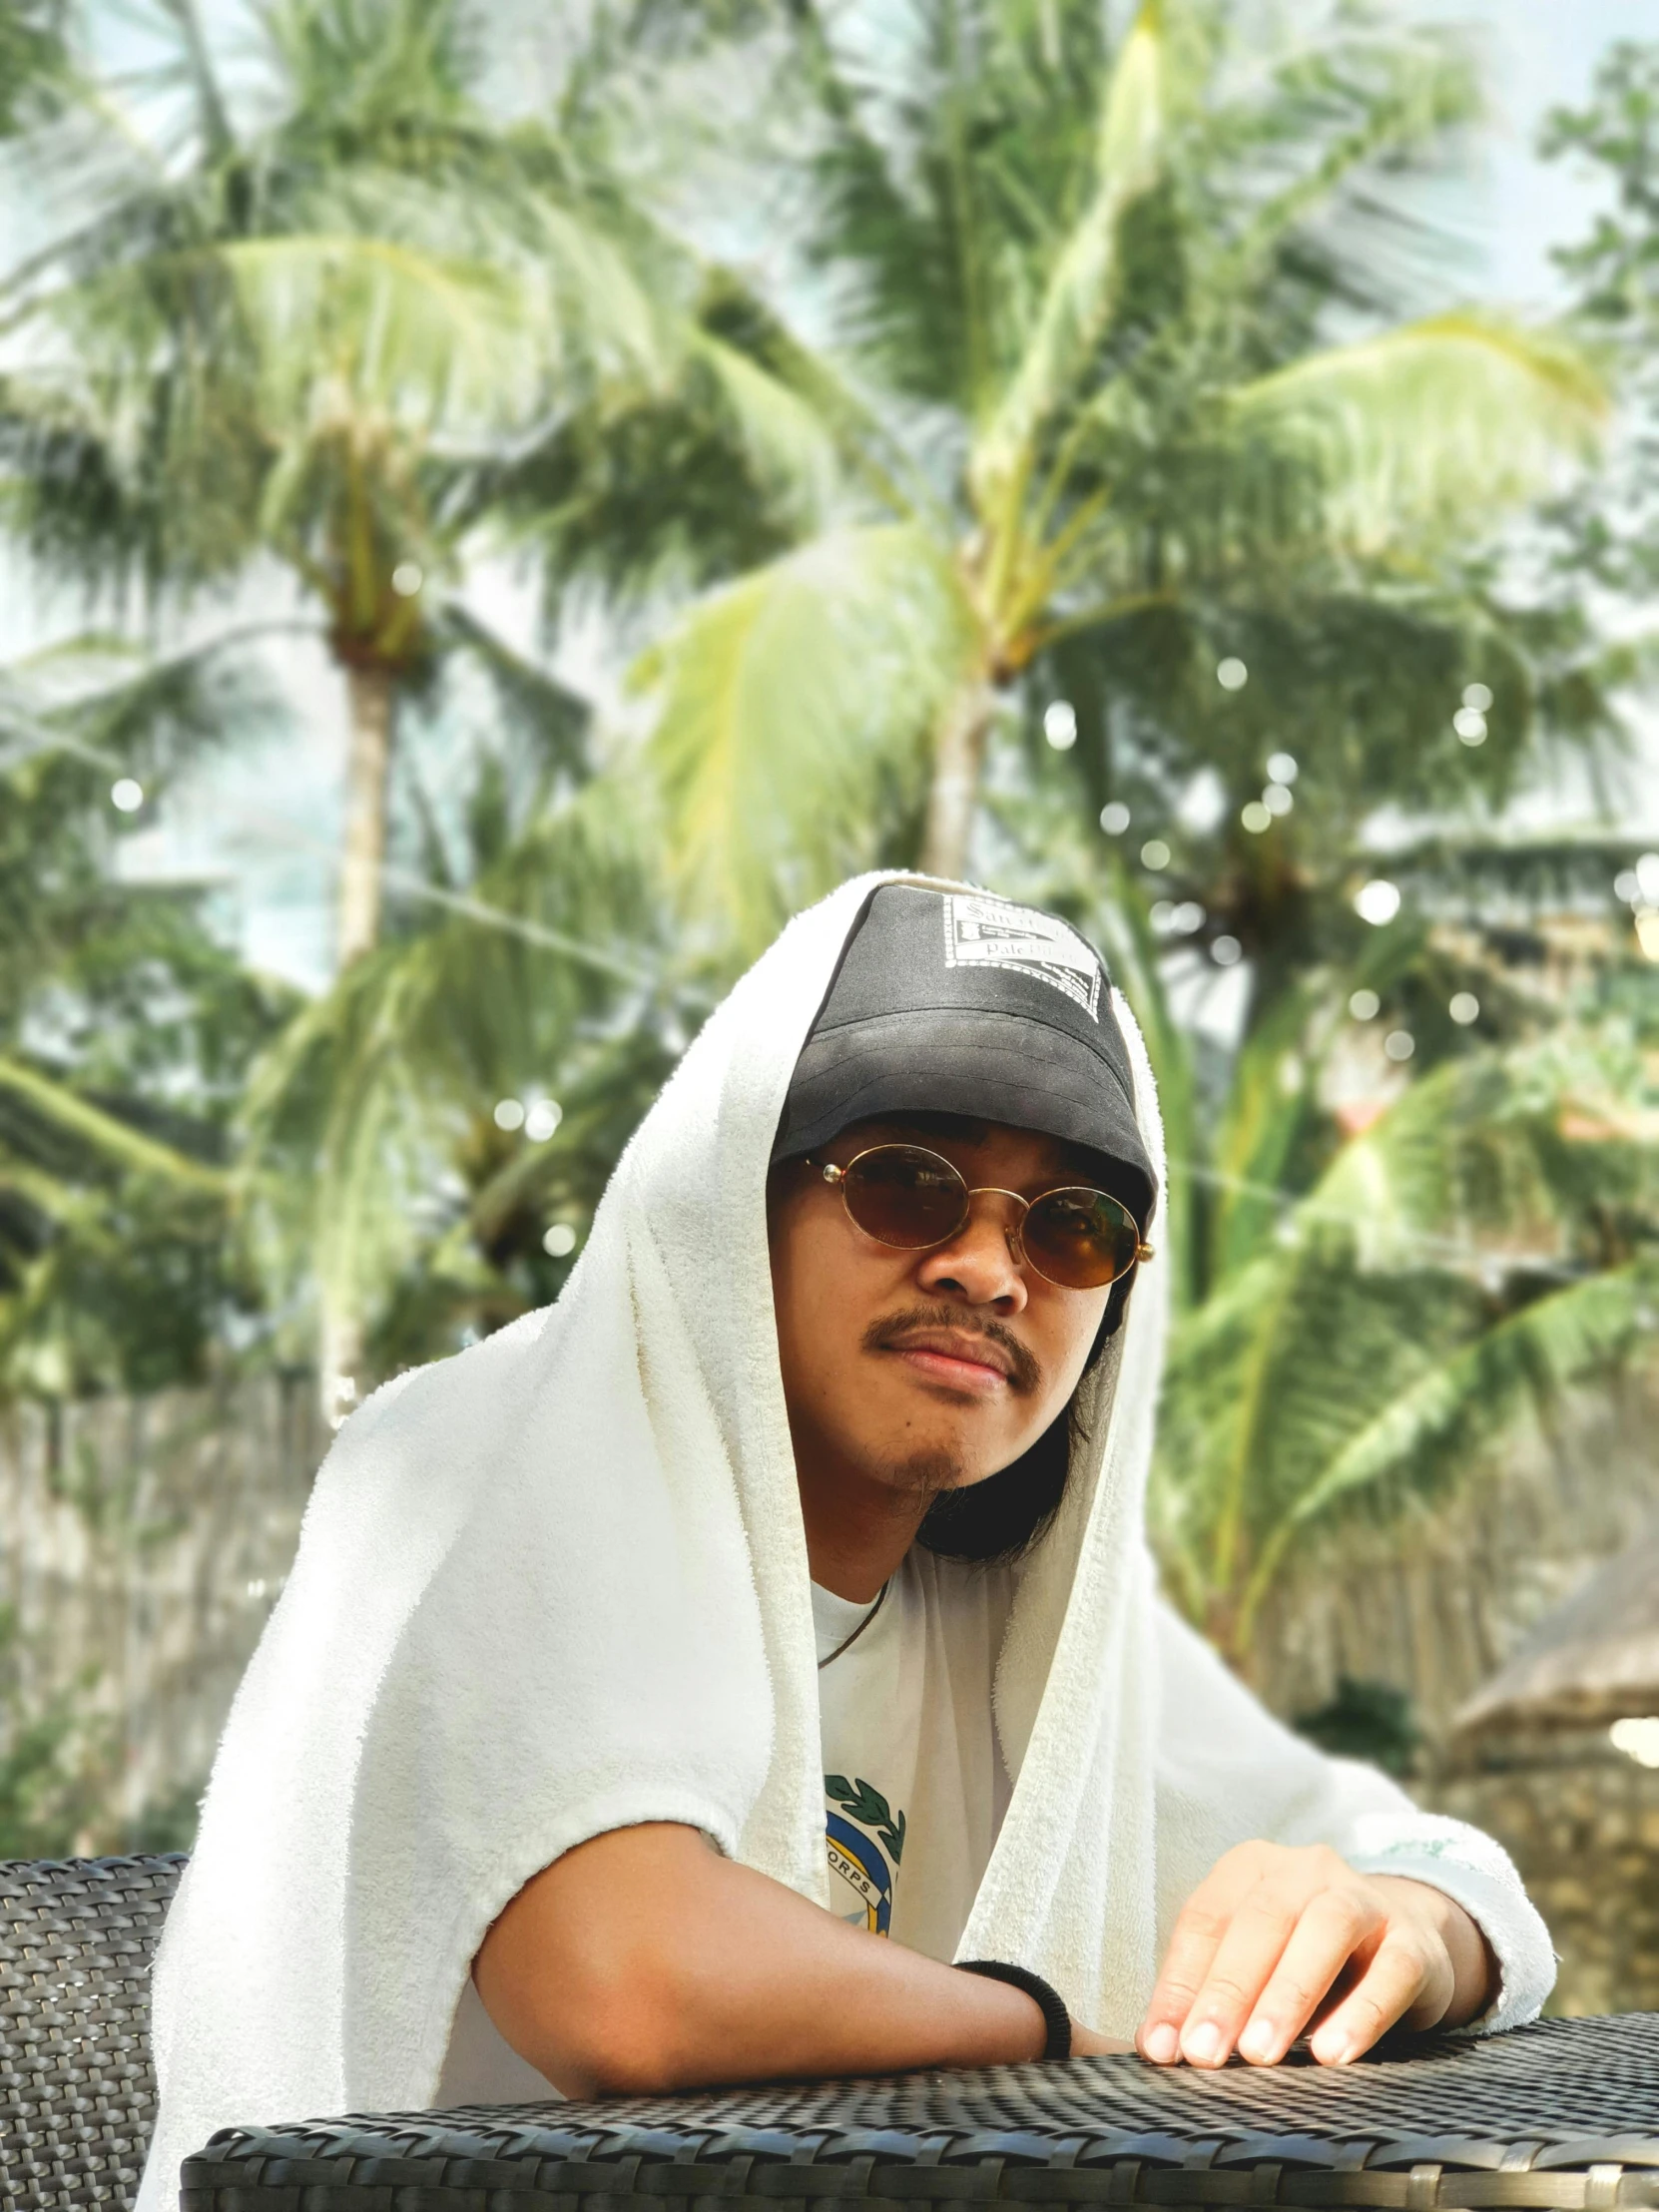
(375, 1168)
(787, 701)
(1615, 274)
(1366, 1720)
(126, 1035)
(1381, 1270)
(49, 1778)
(1091, 286)
(1489, 1242)
(34, 63)
(1121, 366)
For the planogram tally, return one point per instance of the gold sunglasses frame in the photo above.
(836, 1177)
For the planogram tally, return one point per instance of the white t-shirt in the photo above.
(916, 1790)
(913, 1781)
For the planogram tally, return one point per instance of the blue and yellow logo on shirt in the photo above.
(866, 1843)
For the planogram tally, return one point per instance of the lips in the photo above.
(956, 1349)
(961, 1350)
(970, 1360)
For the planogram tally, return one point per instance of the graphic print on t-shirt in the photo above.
(866, 1841)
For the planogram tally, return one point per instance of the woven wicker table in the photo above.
(1563, 2114)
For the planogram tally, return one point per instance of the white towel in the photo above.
(558, 1584)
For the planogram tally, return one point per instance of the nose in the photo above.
(981, 1265)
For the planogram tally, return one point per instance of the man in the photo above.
(796, 1561)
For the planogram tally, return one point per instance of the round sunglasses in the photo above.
(903, 1195)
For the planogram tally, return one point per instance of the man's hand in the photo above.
(1085, 2044)
(1274, 1937)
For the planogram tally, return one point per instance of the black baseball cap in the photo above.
(960, 1002)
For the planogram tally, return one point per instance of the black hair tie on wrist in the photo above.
(1055, 2017)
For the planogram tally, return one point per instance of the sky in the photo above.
(1542, 53)
(261, 828)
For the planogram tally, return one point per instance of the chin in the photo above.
(946, 1464)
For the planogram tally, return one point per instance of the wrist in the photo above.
(1056, 2022)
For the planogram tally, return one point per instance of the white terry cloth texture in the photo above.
(558, 1584)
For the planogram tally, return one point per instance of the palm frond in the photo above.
(555, 718)
(1078, 298)
(791, 705)
(35, 71)
(1427, 424)
(787, 442)
(110, 1140)
(1336, 113)
(1481, 1245)
(445, 345)
(1469, 1402)
(372, 1151)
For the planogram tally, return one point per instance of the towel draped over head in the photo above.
(558, 1584)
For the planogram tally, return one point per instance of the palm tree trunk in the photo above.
(959, 761)
(371, 693)
(343, 1383)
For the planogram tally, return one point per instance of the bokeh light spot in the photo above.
(1377, 902)
(1060, 725)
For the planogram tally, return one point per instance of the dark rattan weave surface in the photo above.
(76, 2096)
(1563, 2114)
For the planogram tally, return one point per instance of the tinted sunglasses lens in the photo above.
(1080, 1239)
(905, 1196)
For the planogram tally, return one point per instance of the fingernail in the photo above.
(1257, 2041)
(1332, 2050)
(1161, 2043)
(1202, 2044)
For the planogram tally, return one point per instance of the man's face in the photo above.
(923, 1371)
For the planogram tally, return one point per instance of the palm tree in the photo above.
(1409, 1207)
(125, 1034)
(429, 1139)
(305, 343)
(34, 64)
(1090, 435)
(329, 342)
(1489, 1242)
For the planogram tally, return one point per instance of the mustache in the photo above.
(1025, 1373)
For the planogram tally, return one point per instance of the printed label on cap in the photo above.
(989, 932)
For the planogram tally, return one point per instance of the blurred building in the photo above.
(1518, 1622)
(1558, 1756)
